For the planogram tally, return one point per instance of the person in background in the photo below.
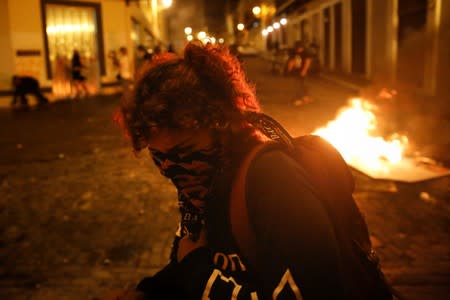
(124, 76)
(170, 48)
(78, 80)
(114, 62)
(299, 64)
(157, 50)
(22, 86)
(142, 57)
(124, 65)
(191, 114)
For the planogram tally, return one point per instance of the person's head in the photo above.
(112, 54)
(123, 50)
(141, 49)
(299, 46)
(176, 99)
(157, 50)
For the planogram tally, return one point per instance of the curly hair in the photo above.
(206, 88)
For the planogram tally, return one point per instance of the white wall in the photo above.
(6, 53)
(27, 34)
(116, 32)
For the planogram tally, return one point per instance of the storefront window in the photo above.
(71, 28)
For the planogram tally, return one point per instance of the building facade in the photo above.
(253, 21)
(38, 38)
(404, 42)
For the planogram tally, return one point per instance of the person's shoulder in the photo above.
(275, 156)
(276, 168)
(273, 165)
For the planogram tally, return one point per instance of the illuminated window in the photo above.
(68, 28)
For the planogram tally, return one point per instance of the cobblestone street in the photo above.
(81, 214)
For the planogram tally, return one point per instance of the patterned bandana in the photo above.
(192, 172)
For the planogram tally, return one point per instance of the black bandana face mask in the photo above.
(192, 172)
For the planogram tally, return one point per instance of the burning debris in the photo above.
(353, 133)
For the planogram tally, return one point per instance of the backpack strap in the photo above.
(240, 224)
(241, 227)
(270, 127)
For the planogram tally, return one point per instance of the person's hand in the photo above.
(186, 245)
(124, 294)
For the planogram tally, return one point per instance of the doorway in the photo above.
(338, 36)
(359, 8)
(326, 36)
(412, 43)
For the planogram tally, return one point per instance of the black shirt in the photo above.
(296, 250)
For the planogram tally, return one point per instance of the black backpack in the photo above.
(333, 181)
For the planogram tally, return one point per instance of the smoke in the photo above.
(404, 108)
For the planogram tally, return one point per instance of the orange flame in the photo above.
(352, 133)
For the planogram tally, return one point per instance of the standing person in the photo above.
(22, 86)
(170, 48)
(124, 67)
(191, 113)
(142, 57)
(114, 62)
(300, 64)
(157, 50)
(79, 81)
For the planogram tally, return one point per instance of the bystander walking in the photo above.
(78, 79)
(124, 75)
(142, 57)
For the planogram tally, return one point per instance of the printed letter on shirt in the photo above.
(287, 279)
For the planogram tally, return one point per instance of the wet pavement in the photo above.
(81, 214)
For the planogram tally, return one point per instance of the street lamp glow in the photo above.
(269, 29)
(188, 30)
(240, 26)
(283, 21)
(201, 35)
(276, 25)
(265, 32)
(221, 41)
(189, 37)
(167, 3)
(256, 10)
